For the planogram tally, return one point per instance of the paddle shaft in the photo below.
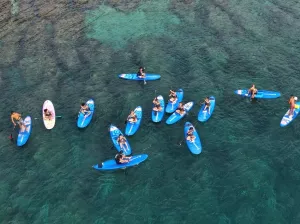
(55, 116)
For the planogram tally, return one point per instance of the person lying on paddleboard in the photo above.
(180, 109)
(207, 104)
(157, 107)
(121, 140)
(16, 116)
(173, 96)
(252, 91)
(141, 73)
(84, 108)
(47, 114)
(292, 105)
(121, 158)
(132, 117)
(190, 135)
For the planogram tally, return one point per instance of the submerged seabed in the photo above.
(248, 171)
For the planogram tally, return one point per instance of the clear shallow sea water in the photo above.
(68, 52)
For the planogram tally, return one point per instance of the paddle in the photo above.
(11, 135)
(155, 112)
(40, 118)
(144, 77)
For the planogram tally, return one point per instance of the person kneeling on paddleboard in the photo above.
(121, 158)
(207, 104)
(190, 135)
(157, 107)
(292, 105)
(252, 91)
(173, 96)
(180, 109)
(132, 117)
(47, 114)
(121, 140)
(16, 116)
(85, 109)
(141, 73)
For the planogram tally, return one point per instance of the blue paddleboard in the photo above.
(83, 120)
(205, 115)
(149, 77)
(157, 116)
(23, 135)
(171, 107)
(112, 165)
(195, 147)
(131, 128)
(261, 94)
(176, 117)
(287, 119)
(114, 134)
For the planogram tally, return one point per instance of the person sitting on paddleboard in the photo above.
(190, 135)
(16, 116)
(180, 109)
(141, 73)
(47, 114)
(132, 117)
(173, 96)
(252, 91)
(85, 109)
(207, 104)
(157, 107)
(120, 158)
(292, 105)
(121, 140)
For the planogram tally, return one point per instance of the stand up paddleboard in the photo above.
(24, 134)
(148, 77)
(261, 94)
(171, 107)
(49, 122)
(176, 116)
(195, 147)
(131, 128)
(157, 116)
(112, 165)
(288, 119)
(114, 134)
(84, 120)
(204, 115)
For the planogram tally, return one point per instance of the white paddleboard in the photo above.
(49, 123)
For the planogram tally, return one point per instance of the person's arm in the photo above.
(12, 120)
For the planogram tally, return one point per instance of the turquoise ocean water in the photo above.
(68, 52)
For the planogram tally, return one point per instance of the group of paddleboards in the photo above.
(49, 117)
(175, 107)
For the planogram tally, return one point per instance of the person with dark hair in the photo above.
(190, 135)
(121, 140)
(141, 73)
(157, 107)
(17, 116)
(180, 109)
(47, 114)
(120, 158)
(173, 96)
(84, 108)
